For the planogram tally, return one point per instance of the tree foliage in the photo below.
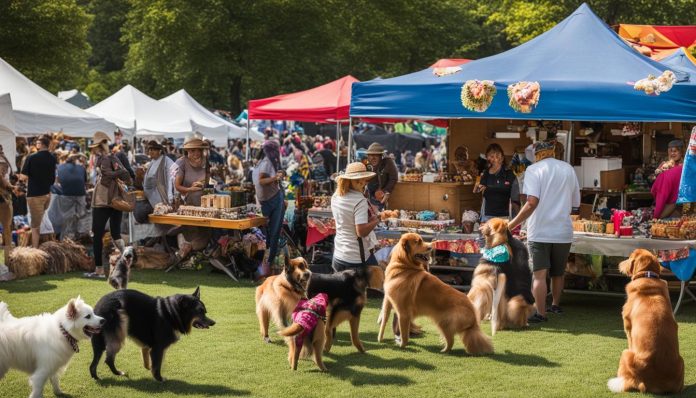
(46, 40)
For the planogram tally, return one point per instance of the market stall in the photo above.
(554, 91)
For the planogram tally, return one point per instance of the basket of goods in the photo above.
(524, 96)
(652, 85)
(469, 218)
(579, 225)
(477, 95)
(407, 215)
(443, 215)
(413, 176)
(162, 209)
(387, 214)
(199, 211)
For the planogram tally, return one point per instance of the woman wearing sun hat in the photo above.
(192, 171)
(109, 169)
(355, 219)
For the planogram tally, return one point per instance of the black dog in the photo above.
(154, 323)
(347, 296)
(120, 272)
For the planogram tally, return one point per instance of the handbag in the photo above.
(124, 200)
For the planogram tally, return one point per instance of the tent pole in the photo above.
(248, 124)
(350, 140)
(338, 149)
(570, 147)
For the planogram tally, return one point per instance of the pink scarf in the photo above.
(307, 314)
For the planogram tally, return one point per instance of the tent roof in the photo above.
(328, 103)
(658, 36)
(588, 79)
(136, 113)
(37, 111)
(209, 124)
(680, 59)
(447, 62)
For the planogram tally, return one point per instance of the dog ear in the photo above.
(72, 310)
(407, 247)
(197, 293)
(286, 263)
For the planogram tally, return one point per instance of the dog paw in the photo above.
(267, 339)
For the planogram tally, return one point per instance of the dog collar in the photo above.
(71, 340)
(646, 274)
(497, 254)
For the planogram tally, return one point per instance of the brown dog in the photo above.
(502, 290)
(279, 294)
(413, 292)
(652, 362)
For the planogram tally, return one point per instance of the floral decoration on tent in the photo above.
(652, 85)
(477, 95)
(524, 96)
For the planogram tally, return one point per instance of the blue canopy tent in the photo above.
(681, 60)
(585, 71)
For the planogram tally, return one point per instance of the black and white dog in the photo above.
(119, 274)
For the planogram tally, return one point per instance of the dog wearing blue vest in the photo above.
(501, 288)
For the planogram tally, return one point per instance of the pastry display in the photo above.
(216, 201)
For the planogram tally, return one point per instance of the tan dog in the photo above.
(652, 363)
(279, 294)
(413, 292)
(502, 291)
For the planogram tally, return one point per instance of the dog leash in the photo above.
(71, 340)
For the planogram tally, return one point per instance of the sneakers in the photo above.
(537, 318)
(555, 309)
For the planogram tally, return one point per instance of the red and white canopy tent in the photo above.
(328, 103)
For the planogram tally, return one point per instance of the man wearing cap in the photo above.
(40, 171)
(381, 186)
(552, 191)
(157, 184)
(665, 189)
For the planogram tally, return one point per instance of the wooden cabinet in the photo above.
(453, 197)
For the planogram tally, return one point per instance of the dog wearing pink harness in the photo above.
(307, 330)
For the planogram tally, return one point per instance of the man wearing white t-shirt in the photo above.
(552, 191)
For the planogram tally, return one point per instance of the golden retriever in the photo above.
(652, 363)
(279, 294)
(413, 292)
(502, 291)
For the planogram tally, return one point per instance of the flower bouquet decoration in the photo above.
(448, 70)
(524, 96)
(477, 95)
(652, 85)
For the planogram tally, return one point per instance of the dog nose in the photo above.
(102, 321)
(212, 322)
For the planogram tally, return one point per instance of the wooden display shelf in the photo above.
(244, 223)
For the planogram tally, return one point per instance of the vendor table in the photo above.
(623, 247)
(244, 223)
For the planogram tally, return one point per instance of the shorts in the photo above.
(340, 265)
(550, 256)
(37, 207)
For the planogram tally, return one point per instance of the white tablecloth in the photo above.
(623, 247)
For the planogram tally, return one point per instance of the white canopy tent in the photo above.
(36, 111)
(207, 123)
(7, 130)
(138, 114)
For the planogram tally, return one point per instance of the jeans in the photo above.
(100, 215)
(274, 211)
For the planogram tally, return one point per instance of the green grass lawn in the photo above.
(573, 355)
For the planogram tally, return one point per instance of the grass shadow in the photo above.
(188, 279)
(345, 368)
(174, 386)
(41, 283)
(516, 359)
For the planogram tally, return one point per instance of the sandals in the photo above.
(555, 309)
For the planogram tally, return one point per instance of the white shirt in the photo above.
(348, 211)
(554, 183)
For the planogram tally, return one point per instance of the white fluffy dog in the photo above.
(42, 345)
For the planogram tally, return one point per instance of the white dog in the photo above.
(42, 345)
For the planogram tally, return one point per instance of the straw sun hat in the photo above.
(195, 143)
(356, 171)
(99, 138)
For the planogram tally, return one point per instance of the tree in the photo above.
(104, 35)
(522, 20)
(45, 40)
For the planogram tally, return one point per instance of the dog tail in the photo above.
(4, 312)
(497, 296)
(476, 342)
(292, 330)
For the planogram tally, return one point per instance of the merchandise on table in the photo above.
(683, 228)
(216, 201)
(232, 213)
